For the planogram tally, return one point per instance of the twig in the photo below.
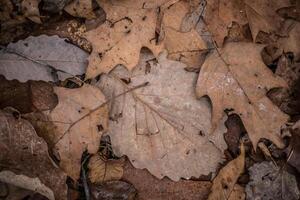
(95, 109)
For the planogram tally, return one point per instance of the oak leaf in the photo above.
(181, 38)
(219, 15)
(74, 125)
(262, 15)
(161, 126)
(120, 39)
(235, 78)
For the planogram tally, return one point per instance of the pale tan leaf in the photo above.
(162, 126)
(262, 15)
(120, 39)
(235, 77)
(219, 14)
(224, 182)
(31, 10)
(74, 125)
(101, 169)
(81, 8)
(25, 155)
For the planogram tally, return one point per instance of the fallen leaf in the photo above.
(140, 4)
(161, 126)
(113, 190)
(43, 49)
(26, 156)
(27, 97)
(73, 126)
(292, 42)
(12, 192)
(102, 170)
(120, 39)
(224, 182)
(235, 131)
(235, 78)
(291, 12)
(54, 6)
(184, 46)
(219, 15)
(270, 182)
(238, 193)
(294, 147)
(33, 184)
(81, 8)
(31, 10)
(262, 15)
(151, 188)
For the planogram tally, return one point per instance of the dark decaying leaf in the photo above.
(271, 182)
(294, 154)
(27, 97)
(113, 190)
(24, 153)
(151, 188)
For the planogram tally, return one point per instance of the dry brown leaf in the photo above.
(31, 10)
(292, 42)
(224, 182)
(219, 15)
(25, 154)
(162, 126)
(262, 15)
(102, 170)
(81, 8)
(74, 125)
(237, 193)
(140, 4)
(185, 46)
(151, 188)
(236, 78)
(120, 39)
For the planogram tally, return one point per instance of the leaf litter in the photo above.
(149, 106)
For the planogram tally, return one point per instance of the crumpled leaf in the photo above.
(219, 14)
(270, 182)
(120, 39)
(262, 15)
(74, 125)
(26, 156)
(161, 126)
(102, 170)
(81, 8)
(31, 10)
(224, 182)
(33, 184)
(186, 45)
(236, 78)
(51, 50)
